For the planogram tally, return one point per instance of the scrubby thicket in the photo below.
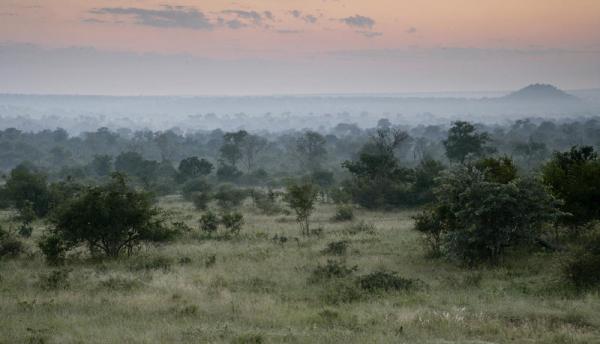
(480, 198)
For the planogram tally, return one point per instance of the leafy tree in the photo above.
(110, 218)
(499, 170)
(134, 164)
(378, 179)
(251, 146)
(475, 219)
(209, 222)
(301, 198)
(228, 196)
(228, 173)
(425, 180)
(26, 187)
(194, 186)
(233, 222)
(311, 147)
(193, 167)
(574, 176)
(102, 165)
(231, 150)
(463, 140)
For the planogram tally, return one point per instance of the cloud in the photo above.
(249, 15)
(235, 24)
(359, 21)
(309, 18)
(411, 30)
(165, 17)
(369, 34)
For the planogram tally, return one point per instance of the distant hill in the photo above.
(540, 92)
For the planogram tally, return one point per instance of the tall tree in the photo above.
(463, 140)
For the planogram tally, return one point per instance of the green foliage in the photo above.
(425, 180)
(229, 197)
(583, 264)
(193, 167)
(386, 281)
(228, 173)
(333, 269)
(101, 165)
(26, 187)
(574, 177)
(53, 248)
(344, 212)
(233, 222)
(311, 147)
(110, 218)
(498, 170)
(209, 222)
(266, 202)
(133, 164)
(463, 141)
(475, 219)
(301, 199)
(337, 248)
(231, 150)
(201, 200)
(9, 245)
(193, 186)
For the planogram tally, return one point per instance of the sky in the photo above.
(255, 47)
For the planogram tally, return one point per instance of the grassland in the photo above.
(255, 288)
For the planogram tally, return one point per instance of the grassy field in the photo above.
(256, 288)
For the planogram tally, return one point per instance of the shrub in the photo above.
(583, 266)
(344, 212)
(201, 200)
(233, 222)
(26, 187)
(574, 177)
(341, 291)
(333, 269)
(193, 186)
(25, 230)
(229, 197)
(266, 202)
(336, 248)
(9, 245)
(476, 220)
(53, 248)
(385, 281)
(56, 279)
(301, 198)
(209, 222)
(111, 218)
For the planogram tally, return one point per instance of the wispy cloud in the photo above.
(358, 21)
(165, 17)
(309, 18)
(369, 34)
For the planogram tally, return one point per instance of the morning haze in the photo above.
(315, 171)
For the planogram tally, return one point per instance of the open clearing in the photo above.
(256, 288)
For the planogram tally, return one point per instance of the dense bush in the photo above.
(229, 197)
(209, 222)
(233, 222)
(344, 212)
(475, 219)
(583, 265)
(201, 200)
(26, 187)
(10, 246)
(193, 186)
(110, 218)
(266, 202)
(574, 177)
(333, 269)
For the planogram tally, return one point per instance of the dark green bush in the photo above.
(333, 269)
(229, 197)
(53, 248)
(209, 222)
(193, 186)
(201, 200)
(338, 248)
(583, 265)
(9, 245)
(233, 222)
(344, 212)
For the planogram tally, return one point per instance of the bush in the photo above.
(26, 187)
(193, 186)
(333, 269)
(266, 202)
(301, 198)
(25, 230)
(53, 248)
(233, 222)
(229, 197)
(111, 218)
(336, 248)
(476, 220)
(344, 212)
(385, 281)
(583, 266)
(9, 245)
(209, 222)
(201, 200)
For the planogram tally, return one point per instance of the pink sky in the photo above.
(307, 33)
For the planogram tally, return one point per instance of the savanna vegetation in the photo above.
(457, 234)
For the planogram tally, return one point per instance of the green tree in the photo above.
(463, 141)
(574, 176)
(301, 199)
(193, 167)
(311, 147)
(26, 187)
(110, 218)
(231, 150)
